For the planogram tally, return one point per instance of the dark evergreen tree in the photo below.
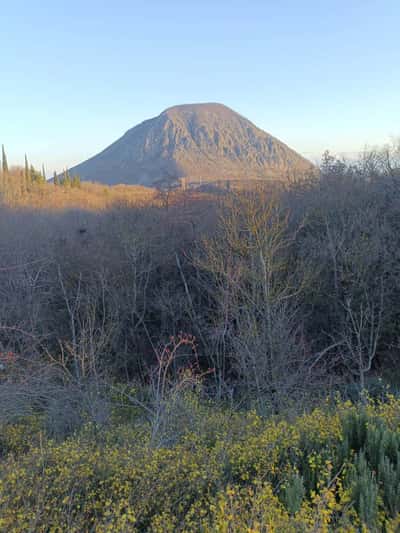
(76, 181)
(27, 173)
(66, 180)
(56, 180)
(4, 164)
(36, 176)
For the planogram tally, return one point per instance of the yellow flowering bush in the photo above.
(334, 469)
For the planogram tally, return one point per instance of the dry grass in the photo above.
(92, 196)
(89, 196)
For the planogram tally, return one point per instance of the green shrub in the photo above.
(330, 470)
(293, 493)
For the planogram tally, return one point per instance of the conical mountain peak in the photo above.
(206, 141)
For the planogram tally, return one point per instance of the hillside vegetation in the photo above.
(32, 191)
(203, 362)
(337, 468)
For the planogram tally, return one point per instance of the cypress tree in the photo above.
(27, 171)
(32, 173)
(76, 181)
(66, 178)
(4, 164)
(56, 181)
(43, 174)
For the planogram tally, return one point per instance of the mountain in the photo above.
(200, 142)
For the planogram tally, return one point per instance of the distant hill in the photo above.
(201, 142)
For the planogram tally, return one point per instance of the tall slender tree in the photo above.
(66, 181)
(43, 173)
(56, 180)
(4, 163)
(27, 173)
(76, 181)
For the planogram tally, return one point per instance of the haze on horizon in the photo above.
(76, 76)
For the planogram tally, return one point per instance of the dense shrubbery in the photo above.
(287, 292)
(334, 469)
(111, 418)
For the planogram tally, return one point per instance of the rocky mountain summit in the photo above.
(198, 142)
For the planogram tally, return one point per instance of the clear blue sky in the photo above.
(76, 75)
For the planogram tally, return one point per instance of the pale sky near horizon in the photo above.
(76, 75)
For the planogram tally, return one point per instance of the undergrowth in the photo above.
(336, 468)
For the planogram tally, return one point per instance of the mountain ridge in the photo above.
(200, 142)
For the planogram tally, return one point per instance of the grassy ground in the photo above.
(91, 196)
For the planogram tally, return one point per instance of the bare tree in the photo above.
(257, 294)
